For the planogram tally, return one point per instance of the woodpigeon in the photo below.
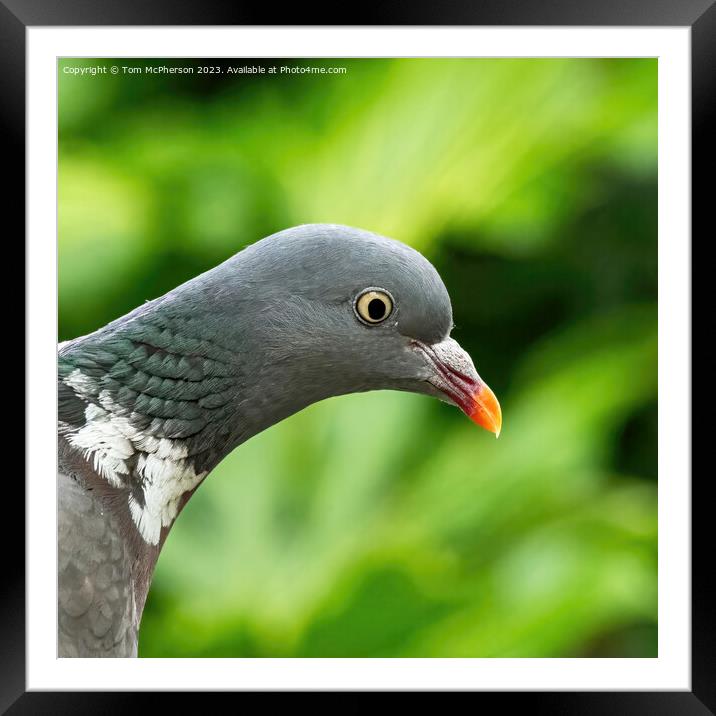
(151, 403)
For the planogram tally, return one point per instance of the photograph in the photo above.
(399, 315)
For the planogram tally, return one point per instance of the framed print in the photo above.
(325, 265)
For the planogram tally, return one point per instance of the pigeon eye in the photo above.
(373, 306)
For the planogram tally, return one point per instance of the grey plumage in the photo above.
(149, 404)
(98, 612)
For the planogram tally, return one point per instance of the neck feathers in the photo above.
(152, 408)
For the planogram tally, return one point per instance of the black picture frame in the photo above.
(699, 15)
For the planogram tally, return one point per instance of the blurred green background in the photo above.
(387, 524)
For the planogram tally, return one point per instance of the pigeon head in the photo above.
(149, 404)
(325, 310)
(158, 397)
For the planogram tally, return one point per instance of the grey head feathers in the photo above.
(176, 384)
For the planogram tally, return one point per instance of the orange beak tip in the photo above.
(487, 412)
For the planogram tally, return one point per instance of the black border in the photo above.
(699, 15)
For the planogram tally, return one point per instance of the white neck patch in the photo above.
(162, 469)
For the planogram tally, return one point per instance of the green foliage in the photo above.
(386, 524)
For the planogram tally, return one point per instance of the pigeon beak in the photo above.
(453, 373)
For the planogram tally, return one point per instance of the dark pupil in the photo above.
(376, 309)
